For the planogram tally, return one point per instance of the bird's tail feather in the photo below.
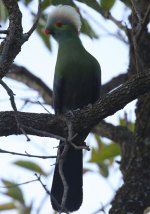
(72, 169)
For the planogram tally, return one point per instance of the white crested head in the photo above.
(68, 13)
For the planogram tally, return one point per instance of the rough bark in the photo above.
(134, 195)
(11, 46)
(86, 118)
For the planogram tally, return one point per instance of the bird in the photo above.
(77, 82)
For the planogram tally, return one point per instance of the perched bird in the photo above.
(77, 83)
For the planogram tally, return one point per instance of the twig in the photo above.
(43, 133)
(47, 191)
(13, 104)
(34, 26)
(118, 23)
(2, 38)
(11, 95)
(39, 156)
(61, 159)
(136, 55)
(136, 10)
(107, 15)
(143, 23)
(137, 32)
(80, 147)
(108, 33)
(41, 204)
(102, 209)
(4, 31)
(135, 27)
(38, 102)
(61, 155)
(29, 101)
(71, 137)
(20, 184)
(26, 155)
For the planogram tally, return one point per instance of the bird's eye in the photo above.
(59, 24)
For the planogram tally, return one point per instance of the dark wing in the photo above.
(57, 94)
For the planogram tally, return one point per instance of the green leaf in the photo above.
(127, 3)
(122, 122)
(104, 156)
(104, 169)
(26, 2)
(3, 12)
(7, 206)
(63, 2)
(13, 191)
(85, 170)
(93, 4)
(44, 37)
(130, 125)
(30, 166)
(45, 4)
(99, 141)
(87, 29)
(106, 152)
(107, 4)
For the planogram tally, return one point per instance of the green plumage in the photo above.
(76, 84)
(77, 76)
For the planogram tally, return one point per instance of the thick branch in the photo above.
(11, 46)
(15, 38)
(113, 83)
(82, 120)
(23, 75)
(118, 134)
(114, 101)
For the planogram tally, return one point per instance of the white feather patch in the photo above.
(67, 12)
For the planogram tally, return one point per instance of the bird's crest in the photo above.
(67, 12)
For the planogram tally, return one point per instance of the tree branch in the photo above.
(26, 155)
(118, 134)
(3, 31)
(15, 38)
(113, 83)
(82, 120)
(13, 104)
(47, 191)
(11, 46)
(23, 75)
(136, 10)
(118, 23)
(143, 23)
(34, 26)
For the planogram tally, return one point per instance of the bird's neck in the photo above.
(70, 43)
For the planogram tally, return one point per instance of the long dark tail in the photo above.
(72, 170)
